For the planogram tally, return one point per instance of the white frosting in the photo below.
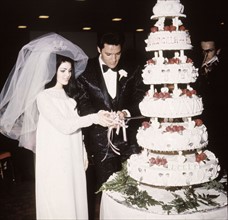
(168, 8)
(174, 171)
(169, 73)
(166, 40)
(177, 107)
(159, 139)
(169, 148)
(173, 37)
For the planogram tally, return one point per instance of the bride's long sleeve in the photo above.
(63, 121)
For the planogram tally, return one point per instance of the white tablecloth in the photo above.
(111, 209)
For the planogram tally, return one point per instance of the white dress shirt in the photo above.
(110, 78)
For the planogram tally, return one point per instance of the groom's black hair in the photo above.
(112, 38)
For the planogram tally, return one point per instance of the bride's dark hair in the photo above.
(35, 67)
(70, 88)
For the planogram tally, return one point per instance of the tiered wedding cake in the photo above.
(173, 142)
(174, 163)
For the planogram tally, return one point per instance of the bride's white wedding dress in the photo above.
(60, 158)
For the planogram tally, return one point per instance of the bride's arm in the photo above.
(63, 122)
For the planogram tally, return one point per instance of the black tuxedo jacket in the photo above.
(94, 96)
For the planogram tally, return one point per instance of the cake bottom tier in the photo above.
(172, 170)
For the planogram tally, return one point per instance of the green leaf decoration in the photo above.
(214, 185)
(128, 187)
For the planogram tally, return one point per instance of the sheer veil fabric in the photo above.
(34, 68)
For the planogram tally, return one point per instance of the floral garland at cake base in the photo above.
(188, 202)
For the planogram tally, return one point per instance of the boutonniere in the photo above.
(122, 73)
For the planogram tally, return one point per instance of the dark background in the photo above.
(67, 17)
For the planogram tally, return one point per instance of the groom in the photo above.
(109, 84)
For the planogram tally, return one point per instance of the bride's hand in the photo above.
(104, 118)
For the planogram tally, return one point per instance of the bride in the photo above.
(44, 119)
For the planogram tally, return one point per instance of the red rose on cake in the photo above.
(188, 92)
(160, 161)
(198, 122)
(161, 95)
(150, 61)
(166, 28)
(200, 157)
(145, 124)
(154, 29)
(175, 128)
(172, 28)
(181, 28)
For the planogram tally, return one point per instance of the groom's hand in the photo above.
(122, 114)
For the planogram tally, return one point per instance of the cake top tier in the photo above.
(168, 8)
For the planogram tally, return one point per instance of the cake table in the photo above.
(125, 198)
(112, 209)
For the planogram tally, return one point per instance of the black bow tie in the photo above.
(106, 68)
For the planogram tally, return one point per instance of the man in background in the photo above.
(211, 86)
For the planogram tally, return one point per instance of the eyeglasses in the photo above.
(208, 50)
